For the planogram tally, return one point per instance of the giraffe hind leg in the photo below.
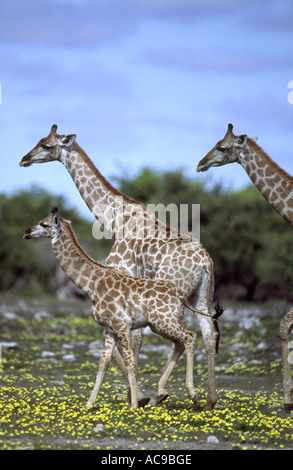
(285, 328)
(161, 393)
(182, 339)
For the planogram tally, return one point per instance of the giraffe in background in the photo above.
(276, 185)
(157, 253)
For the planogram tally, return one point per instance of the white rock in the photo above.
(162, 349)
(43, 315)
(59, 382)
(262, 346)
(237, 346)
(99, 428)
(68, 358)
(10, 316)
(251, 322)
(48, 354)
(8, 345)
(212, 440)
(96, 345)
(75, 344)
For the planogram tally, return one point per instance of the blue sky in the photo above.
(143, 83)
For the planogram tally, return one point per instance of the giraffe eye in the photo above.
(44, 225)
(46, 146)
(222, 149)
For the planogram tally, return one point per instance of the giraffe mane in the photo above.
(255, 147)
(115, 191)
(79, 248)
(105, 182)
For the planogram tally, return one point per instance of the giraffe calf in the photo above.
(121, 304)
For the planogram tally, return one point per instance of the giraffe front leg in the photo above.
(128, 356)
(171, 330)
(161, 392)
(109, 345)
(136, 341)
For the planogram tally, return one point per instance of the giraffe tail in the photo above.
(218, 312)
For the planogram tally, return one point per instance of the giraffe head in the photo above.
(49, 148)
(227, 150)
(48, 227)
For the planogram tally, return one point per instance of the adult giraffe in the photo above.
(276, 185)
(143, 246)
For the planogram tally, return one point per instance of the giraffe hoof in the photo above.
(208, 407)
(194, 399)
(197, 406)
(128, 397)
(143, 402)
(288, 407)
(161, 398)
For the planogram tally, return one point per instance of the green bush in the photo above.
(250, 244)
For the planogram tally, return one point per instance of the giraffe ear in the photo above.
(254, 139)
(68, 140)
(242, 139)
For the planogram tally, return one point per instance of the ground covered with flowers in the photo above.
(49, 356)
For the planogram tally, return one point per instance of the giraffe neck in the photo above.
(272, 181)
(77, 265)
(103, 200)
(121, 216)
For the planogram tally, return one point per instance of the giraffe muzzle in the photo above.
(27, 234)
(25, 161)
(201, 167)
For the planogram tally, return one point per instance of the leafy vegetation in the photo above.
(250, 244)
(31, 267)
